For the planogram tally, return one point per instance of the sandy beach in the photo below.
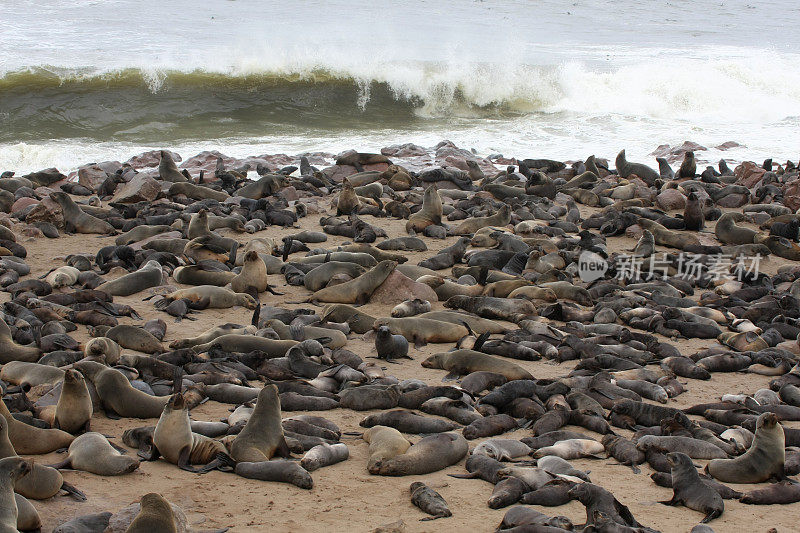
(345, 497)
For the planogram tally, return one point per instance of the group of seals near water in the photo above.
(500, 293)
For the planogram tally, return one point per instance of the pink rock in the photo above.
(634, 232)
(276, 161)
(316, 158)
(733, 200)
(140, 188)
(337, 173)
(676, 153)
(379, 167)
(150, 159)
(748, 174)
(22, 203)
(31, 231)
(404, 150)
(289, 193)
(728, 145)
(670, 200)
(791, 195)
(46, 211)
(207, 161)
(398, 288)
(91, 176)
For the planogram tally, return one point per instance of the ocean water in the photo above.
(89, 80)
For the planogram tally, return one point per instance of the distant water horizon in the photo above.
(90, 80)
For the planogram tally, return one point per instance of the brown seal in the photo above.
(693, 216)
(429, 501)
(91, 452)
(11, 469)
(174, 440)
(262, 436)
(762, 461)
(150, 275)
(431, 212)
(11, 351)
(117, 395)
(30, 374)
(431, 454)
(384, 443)
(168, 170)
(253, 276)
(470, 226)
(75, 220)
(421, 330)
(74, 407)
(689, 489)
(155, 515)
(358, 290)
(210, 297)
(347, 202)
(728, 232)
(463, 362)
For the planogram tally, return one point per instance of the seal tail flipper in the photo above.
(226, 462)
(272, 291)
(283, 449)
(177, 380)
(483, 273)
(711, 516)
(65, 464)
(73, 491)
(471, 475)
(482, 338)
(232, 254)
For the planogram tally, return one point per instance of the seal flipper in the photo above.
(73, 491)
(65, 464)
(256, 315)
(482, 338)
(183, 460)
(716, 513)
(471, 475)
(272, 291)
(626, 514)
(223, 462)
(283, 449)
(152, 455)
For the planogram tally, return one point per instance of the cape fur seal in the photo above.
(431, 454)
(262, 436)
(431, 212)
(689, 489)
(762, 461)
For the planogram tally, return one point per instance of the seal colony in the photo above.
(283, 327)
